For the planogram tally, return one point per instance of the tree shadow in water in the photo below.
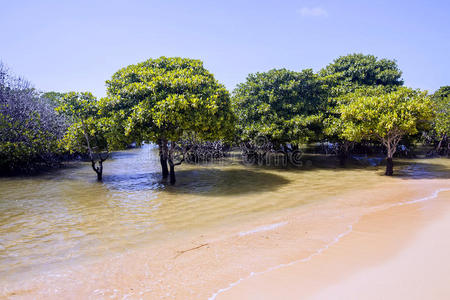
(216, 181)
(422, 170)
(404, 168)
(202, 181)
(220, 182)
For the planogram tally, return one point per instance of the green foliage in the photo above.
(25, 144)
(374, 113)
(442, 93)
(29, 127)
(90, 130)
(54, 97)
(282, 105)
(360, 69)
(349, 73)
(441, 104)
(78, 106)
(166, 98)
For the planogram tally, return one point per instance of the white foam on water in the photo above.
(350, 227)
(263, 228)
(319, 251)
(435, 194)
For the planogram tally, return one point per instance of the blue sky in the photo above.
(77, 45)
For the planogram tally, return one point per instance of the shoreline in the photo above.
(375, 246)
(200, 265)
(417, 271)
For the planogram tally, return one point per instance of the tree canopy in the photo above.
(382, 115)
(347, 74)
(441, 102)
(442, 118)
(442, 93)
(359, 69)
(441, 124)
(282, 105)
(166, 99)
(90, 132)
(179, 105)
(29, 127)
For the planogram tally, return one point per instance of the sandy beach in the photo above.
(220, 150)
(383, 242)
(421, 270)
(400, 252)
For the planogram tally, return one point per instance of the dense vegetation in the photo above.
(91, 130)
(285, 106)
(29, 126)
(383, 115)
(441, 124)
(169, 100)
(345, 75)
(177, 104)
(362, 70)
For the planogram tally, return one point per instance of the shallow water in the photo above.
(65, 217)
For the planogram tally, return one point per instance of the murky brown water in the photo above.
(66, 217)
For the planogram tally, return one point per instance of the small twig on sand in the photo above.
(183, 251)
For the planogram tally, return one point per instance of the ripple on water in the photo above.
(63, 216)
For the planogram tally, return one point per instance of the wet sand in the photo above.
(367, 236)
(321, 251)
(401, 252)
(419, 271)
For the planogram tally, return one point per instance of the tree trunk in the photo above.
(442, 140)
(98, 170)
(389, 166)
(391, 143)
(448, 147)
(99, 176)
(163, 154)
(342, 158)
(172, 174)
(164, 168)
(344, 151)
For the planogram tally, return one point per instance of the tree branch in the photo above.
(184, 251)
